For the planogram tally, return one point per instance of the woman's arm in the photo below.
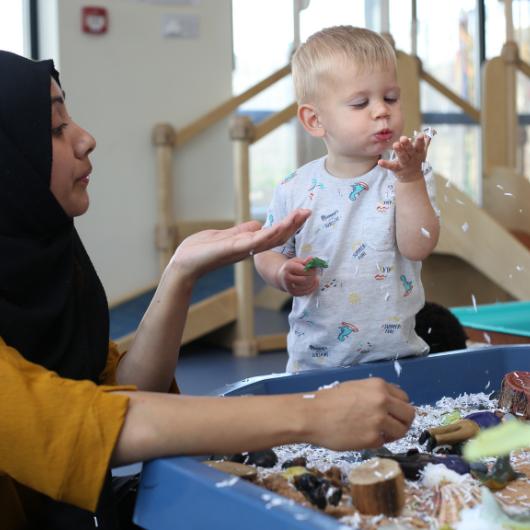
(353, 415)
(152, 359)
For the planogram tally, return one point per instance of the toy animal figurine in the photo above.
(498, 476)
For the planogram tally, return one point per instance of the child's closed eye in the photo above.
(359, 104)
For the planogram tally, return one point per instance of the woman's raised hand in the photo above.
(210, 249)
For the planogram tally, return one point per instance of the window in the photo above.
(13, 26)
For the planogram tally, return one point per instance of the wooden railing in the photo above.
(466, 107)
(167, 139)
(186, 133)
(523, 67)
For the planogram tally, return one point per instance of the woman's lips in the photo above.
(85, 179)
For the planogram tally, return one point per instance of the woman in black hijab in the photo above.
(63, 420)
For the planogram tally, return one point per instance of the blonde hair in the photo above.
(314, 59)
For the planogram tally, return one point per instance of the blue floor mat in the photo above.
(125, 317)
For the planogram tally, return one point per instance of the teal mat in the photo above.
(512, 318)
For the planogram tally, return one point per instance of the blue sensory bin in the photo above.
(181, 492)
(511, 318)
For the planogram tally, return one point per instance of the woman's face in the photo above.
(70, 164)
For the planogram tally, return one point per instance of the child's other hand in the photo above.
(295, 280)
(409, 157)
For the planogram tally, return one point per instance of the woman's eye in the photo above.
(359, 105)
(58, 131)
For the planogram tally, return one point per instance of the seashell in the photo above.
(453, 498)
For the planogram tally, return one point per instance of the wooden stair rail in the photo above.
(523, 67)
(186, 133)
(274, 121)
(471, 111)
(166, 139)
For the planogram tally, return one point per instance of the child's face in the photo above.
(360, 112)
(71, 167)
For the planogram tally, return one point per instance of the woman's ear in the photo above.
(308, 116)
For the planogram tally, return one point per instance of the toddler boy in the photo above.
(373, 220)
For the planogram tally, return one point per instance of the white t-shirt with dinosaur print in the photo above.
(365, 306)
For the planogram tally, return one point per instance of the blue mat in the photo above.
(125, 317)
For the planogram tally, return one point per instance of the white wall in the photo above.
(118, 86)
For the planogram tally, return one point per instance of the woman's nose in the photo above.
(85, 144)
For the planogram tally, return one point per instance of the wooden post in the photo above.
(499, 111)
(414, 29)
(242, 135)
(408, 69)
(508, 19)
(164, 139)
(384, 16)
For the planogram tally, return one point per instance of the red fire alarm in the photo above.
(94, 20)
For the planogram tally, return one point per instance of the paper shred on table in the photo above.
(500, 187)
(309, 396)
(487, 338)
(387, 297)
(487, 385)
(465, 227)
(508, 194)
(425, 232)
(226, 483)
(327, 387)
(429, 331)
(397, 368)
(474, 300)
(460, 202)
(448, 184)
(519, 268)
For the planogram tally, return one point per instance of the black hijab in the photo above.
(53, 308)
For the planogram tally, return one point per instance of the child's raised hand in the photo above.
(295, 279)
(410, 154)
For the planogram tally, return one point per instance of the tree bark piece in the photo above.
(378, 487)
(515, 390)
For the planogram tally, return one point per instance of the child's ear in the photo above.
(308, 116)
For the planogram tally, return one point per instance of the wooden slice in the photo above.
(378, 487)
(233, 468)
(515, 390)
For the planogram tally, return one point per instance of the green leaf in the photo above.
(315, 263)
(498, 441)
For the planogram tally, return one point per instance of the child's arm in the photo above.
(287, 274)
(417, 225)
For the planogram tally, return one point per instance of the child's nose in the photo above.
(381, 110)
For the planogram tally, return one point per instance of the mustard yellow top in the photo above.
(56, 435)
